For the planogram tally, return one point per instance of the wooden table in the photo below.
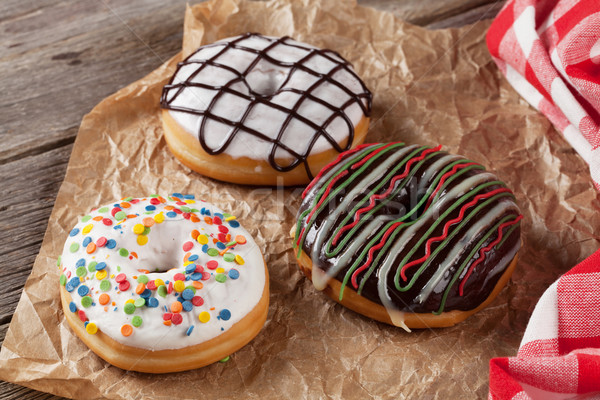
(58, 59)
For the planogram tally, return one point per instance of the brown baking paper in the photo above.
(429, 87)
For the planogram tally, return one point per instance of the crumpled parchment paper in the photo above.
(430, 87)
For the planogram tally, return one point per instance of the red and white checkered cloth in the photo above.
(559, 356)
(549, 51)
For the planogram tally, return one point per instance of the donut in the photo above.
(261, 110)
(408, 235)
(162, 284)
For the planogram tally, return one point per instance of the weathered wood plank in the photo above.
(30, 185)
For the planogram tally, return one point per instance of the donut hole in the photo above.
(266, 79)
(164, 249)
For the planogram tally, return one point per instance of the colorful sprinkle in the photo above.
(197, 301)
(101, 274)
(202, 239)
(221, 278)
(129, 308)
(92, 266)
(104, 299)
(63, 280)
(162, 291)
(190, 268)
(189, 330)
(74, 247)
(72, 284)
(81, 272)
(177, 319)
(148, 222)
(179, 286)
(212, 252)
(123, 252)
(83, 290)
(105, 286)
(73, 307)
(136, 321)
(111, 244)
(74, 232)
(204, 317)
(228, 257)
(239, 260)
(187, 294)
(212, 264)
(176, 307)
(139, 302)
(142, 240)
(126, 330)
(225, 314)
(91, 328)
(234, 273)
(187, 306)
(86, 301)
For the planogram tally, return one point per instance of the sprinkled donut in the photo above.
(408, 235)
(254, 109)
(163, 284)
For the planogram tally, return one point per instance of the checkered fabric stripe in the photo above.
(559, 356)
(549, 51)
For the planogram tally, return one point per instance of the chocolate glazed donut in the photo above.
(428, 236)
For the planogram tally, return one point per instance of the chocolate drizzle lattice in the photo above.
(269, 54)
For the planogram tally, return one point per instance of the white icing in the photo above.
(163, 252)
(265, 78)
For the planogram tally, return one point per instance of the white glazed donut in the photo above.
(255, 109)
(163, 284)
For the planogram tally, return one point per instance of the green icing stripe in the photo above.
(349, 162)
(383, 251)
(421, 202)
(468, 259)
(362, 203)
(441, 246)
(457, 203)
(343, 185)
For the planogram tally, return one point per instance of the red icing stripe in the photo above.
(375, 197)
(324, 196)
(367, 158)
(331, 164)
(484, 250)
(441, 183)
(444, 235)
(371, 251)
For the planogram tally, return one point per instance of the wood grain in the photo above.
(60, 58)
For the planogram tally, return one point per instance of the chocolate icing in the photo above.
(425, 173)
(269, 54)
